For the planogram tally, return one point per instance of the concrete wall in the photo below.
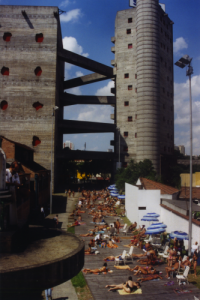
(136, 198)
(175, 222)
(20, 122)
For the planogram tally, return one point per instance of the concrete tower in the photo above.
(144, 82)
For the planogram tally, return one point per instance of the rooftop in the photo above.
(153, 185)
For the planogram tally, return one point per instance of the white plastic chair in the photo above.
(129, 255)
(125, 225)
(123, 256)
(165, 253)
(184, 277)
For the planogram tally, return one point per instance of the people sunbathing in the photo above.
(129, 286)
(144, 270)
(150, 277)
(111, 245)
(89, 250)
(76, 223)
(172, 268)
(100, 270)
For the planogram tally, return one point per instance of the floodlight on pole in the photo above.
(183, 62)
(53, 114)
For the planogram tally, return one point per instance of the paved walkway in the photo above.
(65, 290)
(151, 290)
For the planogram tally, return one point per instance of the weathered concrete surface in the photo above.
(53, 257)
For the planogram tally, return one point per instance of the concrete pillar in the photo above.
(148, 95)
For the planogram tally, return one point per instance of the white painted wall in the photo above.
(174, 222)
(136, 198)
(151, 200)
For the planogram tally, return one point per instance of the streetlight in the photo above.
(119, 164)
(186, 61)
(53, 114)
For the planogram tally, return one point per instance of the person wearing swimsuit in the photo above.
(195, 257)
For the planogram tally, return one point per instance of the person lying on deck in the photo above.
(111, 245)
(150, 277)
(150, 260)
(89, 250)
(101, 270)
(129, 286)
(112, 258)
(87, 234)
(76, 223)
(144, 270)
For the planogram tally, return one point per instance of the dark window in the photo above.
(136, 117)
(161, 29)
(135, 76)
(130, 20)
(130, 87)
(135, 90)
(126, 75)
(165, 65)
(164, 106)
(164, 149)
(130, 119)
(167, 94)
(163, 90)
(125, 133)
(128, 31)
(130, 46)
(167, 78)
(163, 119)
(135, 134)
(126, 103)
(161, 59)
(141, 208)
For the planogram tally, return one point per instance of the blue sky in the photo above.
(87, 28)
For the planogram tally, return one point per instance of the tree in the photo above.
(133, 172)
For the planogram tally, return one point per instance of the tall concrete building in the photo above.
(144, 82)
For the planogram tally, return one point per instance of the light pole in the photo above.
(118, 164)
(186, 61)
(53, 114)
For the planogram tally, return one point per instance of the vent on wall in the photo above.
(4, 105)
(36, 141)
(39, 37)
(5, 71)
(38, 71)
(37, 105)
(7, 36)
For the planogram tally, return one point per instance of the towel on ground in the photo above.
(122, 292)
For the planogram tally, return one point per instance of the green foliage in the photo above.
(71, 230)
(133, 172)
(79, 280)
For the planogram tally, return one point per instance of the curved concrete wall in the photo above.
(148, 108)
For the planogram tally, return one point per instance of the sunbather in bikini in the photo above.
(87, 234)
(89, 250)
(128, 286)
(150, 277)
(101, 270)
(144, 270)
(111, 245)
(173, 268)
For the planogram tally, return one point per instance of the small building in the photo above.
(185, 179)
(39, 177)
